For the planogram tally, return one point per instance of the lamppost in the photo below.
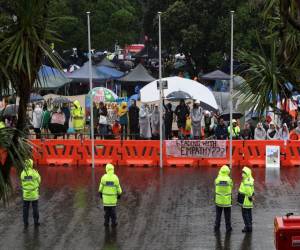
(230, 89)
(160, 94)
(91, 91)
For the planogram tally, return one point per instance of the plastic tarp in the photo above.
(51, 78)
(138, 74)
(198, 91)
(82, 74)
(107, 63)
(216, 75)
(113, 73)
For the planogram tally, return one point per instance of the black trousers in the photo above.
(124, 128)
(134, 131)
(35, 211)
(37, 131)
(247, 217)
(110, 213)
(227, 213)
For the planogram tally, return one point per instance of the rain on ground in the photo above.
(159, 210)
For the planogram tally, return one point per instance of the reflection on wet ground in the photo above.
(169, 209)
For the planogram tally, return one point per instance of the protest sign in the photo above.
(194, 148)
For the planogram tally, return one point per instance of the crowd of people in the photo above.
(183, 121)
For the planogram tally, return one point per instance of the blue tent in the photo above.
(113, 73)
(82, 74)
(51, 78)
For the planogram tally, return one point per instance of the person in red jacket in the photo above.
(116, 129)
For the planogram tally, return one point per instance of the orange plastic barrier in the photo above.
(37, 151)
(106, 151)
(292, 154)
(59, 152)
(255, 152)
(140, 153)
(146, 153)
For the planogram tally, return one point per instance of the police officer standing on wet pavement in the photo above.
(30, 181)
(110, 191)
(223, 198)
(245, 198)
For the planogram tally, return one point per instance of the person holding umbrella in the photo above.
(181, 111)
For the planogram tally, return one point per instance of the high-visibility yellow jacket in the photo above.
(30, 181)
(77, 116)
(247, 188)
(110, 187)
(223, 188)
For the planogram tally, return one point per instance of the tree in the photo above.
(270, 71)
(24, 41)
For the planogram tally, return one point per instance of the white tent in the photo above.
(150, 93)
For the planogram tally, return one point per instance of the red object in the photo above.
(287, 232)
(106, 151)
(146, 153)
(116, 129)
(59, 152)
(134, 48)
(140, 153)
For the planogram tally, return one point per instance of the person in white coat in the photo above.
(196, 116)
(37, 120)
(144, 121)
(155, 123)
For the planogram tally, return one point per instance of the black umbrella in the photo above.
(60, 100)
(10, 110)
(178, 95)
(235, 115)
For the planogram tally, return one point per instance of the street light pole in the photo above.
(160, 95)
(231, 87)
(91, 92)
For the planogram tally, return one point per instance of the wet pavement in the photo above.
(159, 210)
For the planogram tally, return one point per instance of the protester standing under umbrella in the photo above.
(123, 115)
(168, 120)
(144, 120)
(196, 116)
(102, 120)
(134, 120)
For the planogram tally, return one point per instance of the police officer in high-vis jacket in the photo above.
(245, 198)
(223, 197)
(110, 191)
(30, 181)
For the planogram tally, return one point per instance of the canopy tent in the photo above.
(138, 74)
(82, 74)
(107, 63)
(216, 75)
(113, 73)
(50, 78)
(150, 93)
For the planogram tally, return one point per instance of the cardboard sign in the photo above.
(195, 148)
(272, 156)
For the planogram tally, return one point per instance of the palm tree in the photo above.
(269, 70)
(266, 78)
(24, 38)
